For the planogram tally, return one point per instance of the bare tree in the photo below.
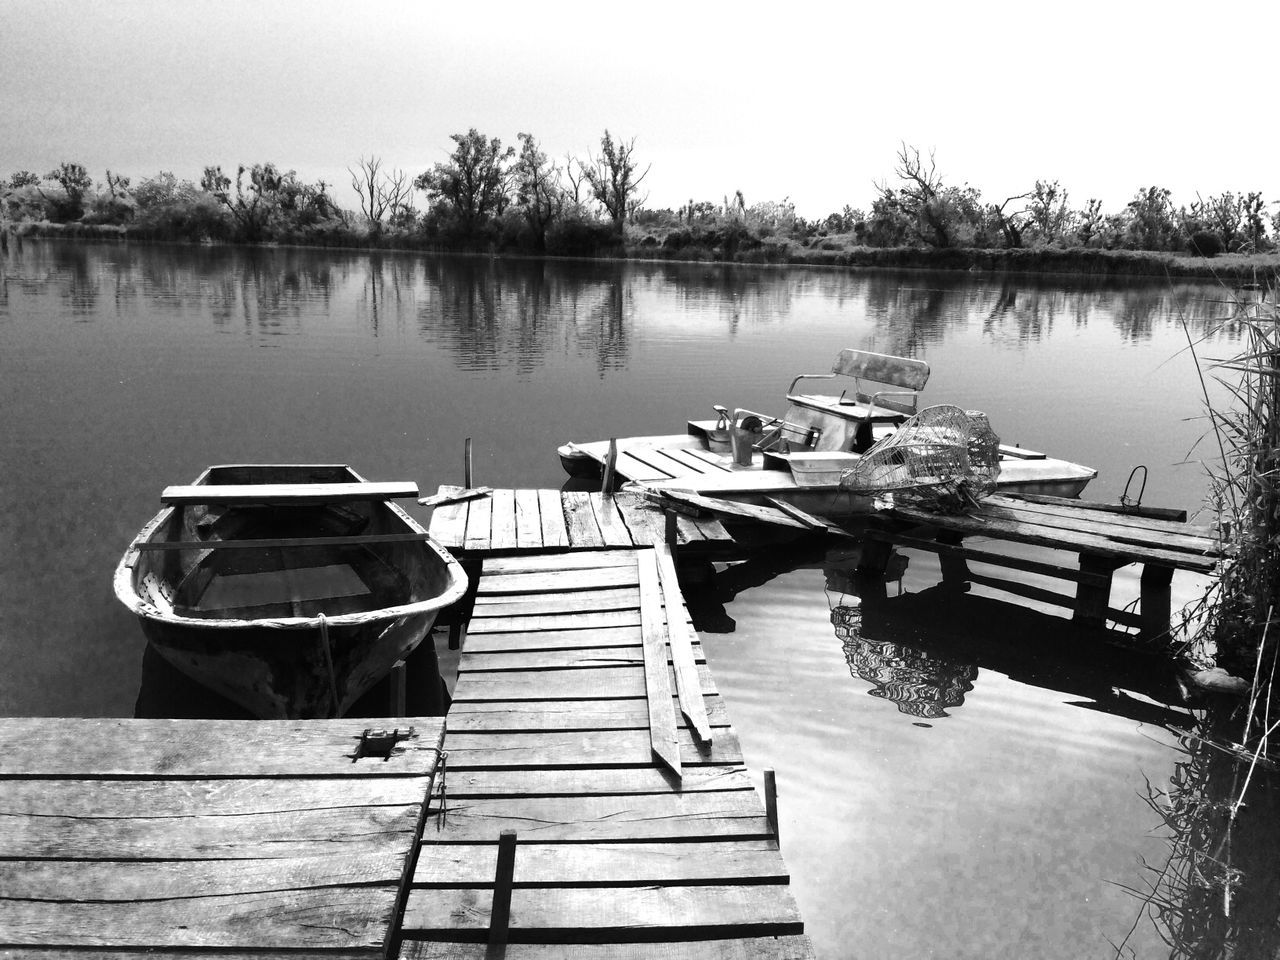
(1010, 224)
(613, 179)
(382, 194)
(576, 174)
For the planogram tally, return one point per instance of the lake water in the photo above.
(957, 776)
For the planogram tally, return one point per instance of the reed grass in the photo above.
(1217, 895)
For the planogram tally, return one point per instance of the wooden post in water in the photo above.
(399, 687)
(466, 465)
(500, 914)
(610, 465)
(771, 804)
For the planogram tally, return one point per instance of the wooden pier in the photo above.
(1105, 537)
(221, 839)
(586, 723)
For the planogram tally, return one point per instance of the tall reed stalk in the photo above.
(1217, 895)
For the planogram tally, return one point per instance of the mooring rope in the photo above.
(328, 661)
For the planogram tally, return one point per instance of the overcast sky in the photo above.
(806, 100)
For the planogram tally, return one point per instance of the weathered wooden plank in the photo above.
(655, 459)
(596, 748)
(362, 540)
(961, 552)
(573, 659)
(657, 674)
(288, 493)
(646, 523)
(555, 533)
(697, 460)
(731, 508)
(343, 918)
(566, 621)
(613, 913)
(502, 522)
(542, 563)
(528, 519)
(300, 833)
(453, 495)
(682, 643)
(141, 798)
(737, 948)
(479, 524)
(525, 604)
(478, 716)
(1166, 519)
(1056, 537)
(584, 531)
(633, 466)
(615, 864)
(553, 639)
(557, 581)
(122, 881)
(182, 953)
(36, 747)
(587, 819)
(613, 529)
(590, 782)
(1157, 533)
(449, 522)
(601, 683)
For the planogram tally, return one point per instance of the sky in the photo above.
(785, 100)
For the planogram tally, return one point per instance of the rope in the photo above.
(328, 661)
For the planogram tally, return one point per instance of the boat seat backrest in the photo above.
(901, 377)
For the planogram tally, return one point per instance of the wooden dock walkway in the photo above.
(131, 838)
(515, 521)
(575, 723)
(1103, 536)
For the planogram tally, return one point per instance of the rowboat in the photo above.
(290, 589)
(800, 457)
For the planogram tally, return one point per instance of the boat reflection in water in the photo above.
(923, 651)
(919, 683)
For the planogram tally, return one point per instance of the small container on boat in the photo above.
(820, 468)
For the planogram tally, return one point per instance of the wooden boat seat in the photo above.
(287, 494)
(905, 378)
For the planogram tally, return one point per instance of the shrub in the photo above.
(1205, 244)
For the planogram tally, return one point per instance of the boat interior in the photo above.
(219, 577)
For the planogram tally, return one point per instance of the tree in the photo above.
(1255, 229)
(23, 178)
(1224, 214)
(382, 194)
(75, 182)
(1048, 212)
(1010, 224)
(268, 196)
(938, 215)
(537, 186)
(613, 179)
(472, 185)
(1151, 225)
(161, 190)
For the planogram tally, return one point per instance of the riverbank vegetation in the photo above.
(506, 199)
(1217, 895)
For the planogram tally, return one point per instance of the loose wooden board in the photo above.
(589, 819)
(482, 716)
(590, 782)
(613, 913)
(735, 948)
(606, 864)
(599, 683)
(594, 748)
(287, 493)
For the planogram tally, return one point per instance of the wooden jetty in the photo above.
(221, 839)
(596, 792)
(1104, 536)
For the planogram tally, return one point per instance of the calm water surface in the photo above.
(958, 776)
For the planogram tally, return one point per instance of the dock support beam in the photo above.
(1156, 599)
(500, 914)
(771, 804)
(1093, 593)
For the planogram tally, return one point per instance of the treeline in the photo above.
(491, 197)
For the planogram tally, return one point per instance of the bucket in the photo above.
(718, 438)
